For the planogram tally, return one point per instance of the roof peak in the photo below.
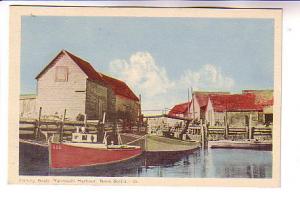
(119, 87)
(69, 53)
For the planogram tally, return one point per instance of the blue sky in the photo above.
(158, 57)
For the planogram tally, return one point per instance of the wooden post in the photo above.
(101, 127)
(206, 136)
(145, 142)
(250, 126)
(114, 128)
(226, 126)
(62, 126)
(188, 114)
(37, 129)
(85, 120)
(193, 104)
(140, 115)
(202, 135)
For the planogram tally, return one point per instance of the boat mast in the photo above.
(140, 105)
(62, 125)
(188, 104)
(85, 121)
(193, 104)
(140, 114)
(226, 119)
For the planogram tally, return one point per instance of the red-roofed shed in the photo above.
(180, 110)
(237, 108)
(212, 106)
(69, 82)
(235, 103)
(199, 103)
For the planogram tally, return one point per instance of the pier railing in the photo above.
(218, 133)
(42, 128)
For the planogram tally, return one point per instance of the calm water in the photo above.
(212, 163)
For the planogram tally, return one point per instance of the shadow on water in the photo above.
(33, 160)
(212, 163)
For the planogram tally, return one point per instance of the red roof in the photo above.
(85, 66)
(263, 97)
(235, 102)
(179, 109)
(202, 99)
(119, 87)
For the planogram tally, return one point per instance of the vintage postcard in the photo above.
(145, 96)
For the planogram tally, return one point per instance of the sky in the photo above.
(159, 58)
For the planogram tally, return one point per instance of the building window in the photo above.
(61, 74)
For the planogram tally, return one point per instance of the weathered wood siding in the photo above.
(54, 96)
(111, 104)
(209, 113)
(96, 100)
(126, 105)
(195, 110)
(237, 119)
(28, 106)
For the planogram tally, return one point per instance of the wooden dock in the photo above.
(241, 144)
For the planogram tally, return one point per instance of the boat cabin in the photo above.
(84, 137)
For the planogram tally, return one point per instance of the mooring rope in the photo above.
(136, 140)
(33, 143)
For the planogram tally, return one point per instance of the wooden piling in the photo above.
(193, 104)
(202, 135)
(38, 124)
(140, 114)
(206, 135)
(62, 126)
(85, 120)
(250, 126)
(100, 128)
(226, 126)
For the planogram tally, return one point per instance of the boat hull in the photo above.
(159, 144)
(224, 144)
(73, 156)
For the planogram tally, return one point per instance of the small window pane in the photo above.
(61, 73)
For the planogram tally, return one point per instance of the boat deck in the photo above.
(163, 144)
(241, 144)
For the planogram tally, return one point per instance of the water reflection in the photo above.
(212, 163)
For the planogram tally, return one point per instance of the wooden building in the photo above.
(180, 110)
(71, 83)
(236, 109)
(28, 106)
(200, 103)
(265, 99)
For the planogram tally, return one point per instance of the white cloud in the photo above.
(142, 74)
(208, 77)
(145, 77)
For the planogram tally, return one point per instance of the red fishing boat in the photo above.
(84, 151)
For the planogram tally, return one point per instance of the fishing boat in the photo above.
(162, 144)
(163, 139)
(85, 150)
(241, 144)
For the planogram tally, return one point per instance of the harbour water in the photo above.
(211, 163)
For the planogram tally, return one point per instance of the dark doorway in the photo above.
(247, 120)
(268, 118)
